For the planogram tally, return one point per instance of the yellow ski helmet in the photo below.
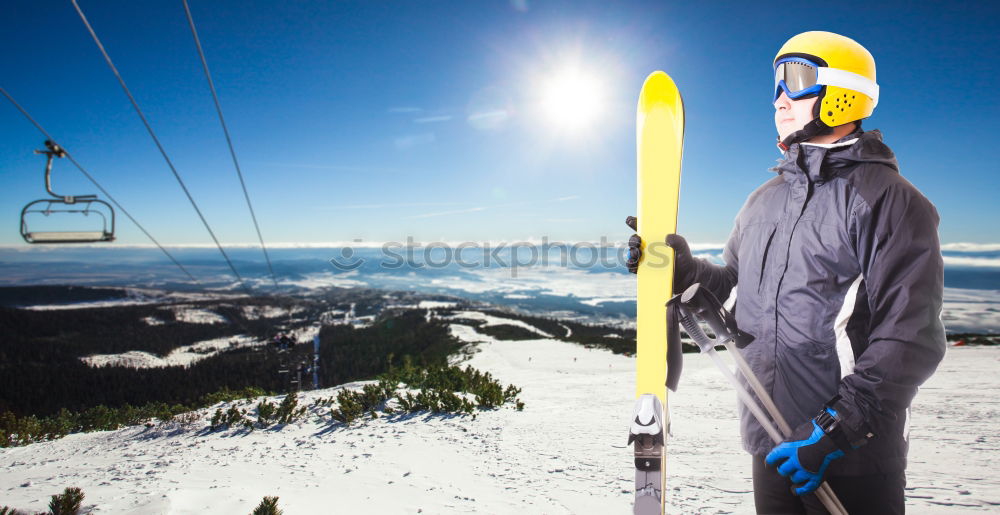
(836, 68)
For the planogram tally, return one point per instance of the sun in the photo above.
(572, 99)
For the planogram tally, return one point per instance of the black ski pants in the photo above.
(876, 494)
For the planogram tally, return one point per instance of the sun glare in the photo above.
(572, 100)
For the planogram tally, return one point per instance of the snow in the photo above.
(565, 453)
(181, 356)
(424, 304)
(971, 310)
(197, 315)
(304, 334)
(134, 297)
(343, 280)
(597, 301)
(153, 321)
(965, 310)
(517, 283)
(92, 304)
(256, 312)
(495, 320)
(436, 304)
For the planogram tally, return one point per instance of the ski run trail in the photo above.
(565, 453)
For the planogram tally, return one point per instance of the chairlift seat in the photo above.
(68, 236)
(84, 205)
(104, 232)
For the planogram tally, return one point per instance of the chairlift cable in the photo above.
(98, 185)
(229, 141)
(163, 152)
(114, 201)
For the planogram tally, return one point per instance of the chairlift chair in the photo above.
(61, 204)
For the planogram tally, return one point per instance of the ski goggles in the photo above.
(799, 77)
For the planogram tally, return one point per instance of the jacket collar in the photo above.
(817, 162)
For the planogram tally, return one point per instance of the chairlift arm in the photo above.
(54, 150)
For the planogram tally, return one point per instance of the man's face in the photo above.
(792, 115)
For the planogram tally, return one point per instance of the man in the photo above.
(836, 270)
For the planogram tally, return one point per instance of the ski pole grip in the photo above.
(691, 327)
(704, 303)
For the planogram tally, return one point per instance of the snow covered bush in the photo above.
(231, 417)
(265, 413)
(352, 404)
(437, 389)
(289, 411)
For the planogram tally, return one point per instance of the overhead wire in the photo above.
(98, 185)
(109, 196)
(229, 141)
(114, 201)
(168, 161)
(163, 152)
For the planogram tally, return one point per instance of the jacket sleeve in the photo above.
(895, 231)
(720, 279)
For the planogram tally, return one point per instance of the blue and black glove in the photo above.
(810, 450)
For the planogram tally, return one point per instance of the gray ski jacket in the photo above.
(837, 272)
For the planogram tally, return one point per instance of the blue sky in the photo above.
(381, 120)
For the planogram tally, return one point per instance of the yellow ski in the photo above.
(659, 142)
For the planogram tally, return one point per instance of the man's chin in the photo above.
(785, 132)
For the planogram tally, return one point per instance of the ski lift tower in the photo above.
(315, 367)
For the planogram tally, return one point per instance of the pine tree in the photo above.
(66, 503)
(268, 506)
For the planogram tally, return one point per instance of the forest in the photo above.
(41, 371)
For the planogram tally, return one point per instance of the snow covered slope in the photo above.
(565, 453)
(181, 356)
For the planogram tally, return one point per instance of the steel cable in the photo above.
(163, 152)
(98, 185)
(229, 141)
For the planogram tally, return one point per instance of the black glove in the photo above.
(686, 267)
(634, 245)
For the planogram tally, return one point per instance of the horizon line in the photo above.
(952, 247)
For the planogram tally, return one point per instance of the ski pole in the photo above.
(824, 493)
(724, 329)
(786, 430)
(703, 303)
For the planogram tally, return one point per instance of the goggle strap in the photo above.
(848, 80)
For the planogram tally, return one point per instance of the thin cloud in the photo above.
(344, 168)
(413, 140)
(433, 119)
(978, 262)
(971, 247)
(501, 206)
(405, 110)
(388, 205)
(446, 213)
(487, 120)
